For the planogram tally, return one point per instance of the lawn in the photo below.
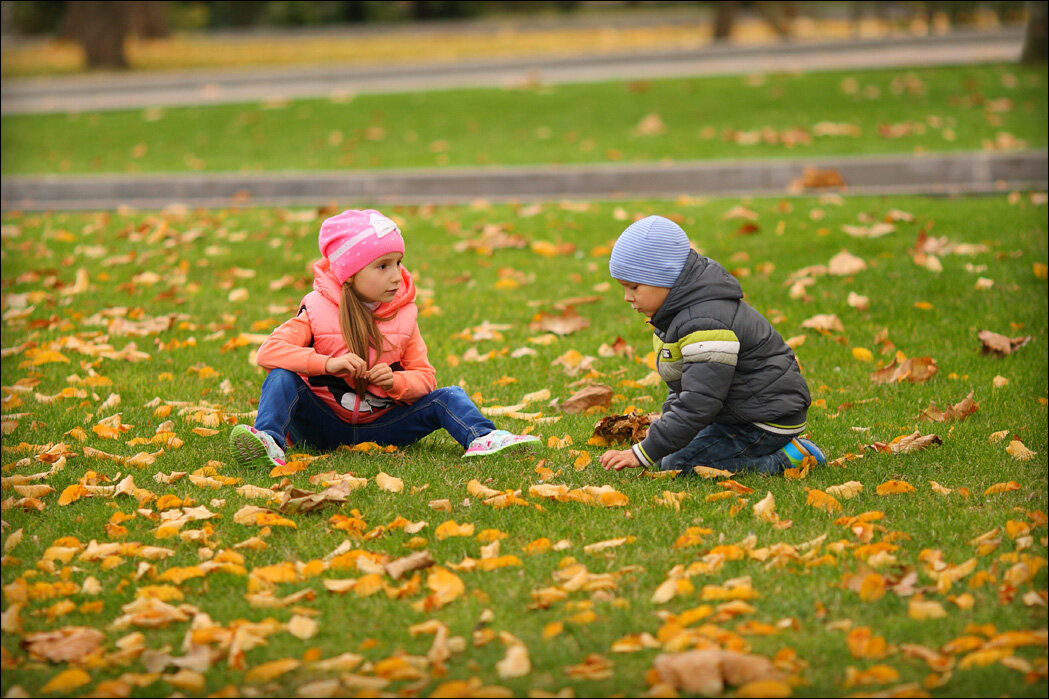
(923, 110)
(127, 346)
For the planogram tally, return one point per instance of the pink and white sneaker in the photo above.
(497, 440)
(255, 448)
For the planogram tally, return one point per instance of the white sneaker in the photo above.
(255, 448)
(497, 440)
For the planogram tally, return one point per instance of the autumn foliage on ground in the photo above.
(137, 559)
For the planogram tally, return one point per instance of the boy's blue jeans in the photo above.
(288, 406)
(735, 448)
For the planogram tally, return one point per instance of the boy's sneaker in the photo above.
(798, 449)
(254, 448)
(497, 440)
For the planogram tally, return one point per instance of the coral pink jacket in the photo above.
(306, 342)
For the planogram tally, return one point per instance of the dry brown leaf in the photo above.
(64, 645)
(846, 491)
(650, 125)
(824, 322)
(906, 444)
(446, 587)
(517, 662)
(296, 500)
(707, 672)
(845, 264)
(619, 429)
(740, 211)
(817, 178)
(875, 230)
(389, 483)
(568, 322)
(993, 343)
(492, 237)
(417, 560)
(766, 509)
(270, 671)
(912, 369)
(710, 472)
(595, 396)
(858, 301)
(302, 627)
(1019, 451)
(959, 411)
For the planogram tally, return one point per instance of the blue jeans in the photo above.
(288, 407)
(735, 448)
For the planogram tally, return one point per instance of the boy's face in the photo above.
(643, 298)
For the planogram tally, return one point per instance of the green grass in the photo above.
(199, 257)
(772, 115)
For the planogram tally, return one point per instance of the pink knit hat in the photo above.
(353, 239)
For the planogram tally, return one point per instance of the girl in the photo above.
(351, 366)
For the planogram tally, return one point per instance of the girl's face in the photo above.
(380, 280)
(643, 298)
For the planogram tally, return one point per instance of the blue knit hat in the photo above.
(651, 251)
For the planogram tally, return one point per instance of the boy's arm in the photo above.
(290, 347)
(708, 365)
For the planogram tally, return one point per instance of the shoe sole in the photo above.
(814, 451)
(513, 445)
(248, 450)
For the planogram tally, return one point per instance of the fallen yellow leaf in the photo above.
(270, 671)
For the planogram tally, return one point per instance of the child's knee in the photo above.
(451, 393)
(281, 378)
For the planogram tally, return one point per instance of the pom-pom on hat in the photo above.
(353, 239)
(651, 251)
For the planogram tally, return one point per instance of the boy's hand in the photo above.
(618, 460)
(348, 364)
(381, 375)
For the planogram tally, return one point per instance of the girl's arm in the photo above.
(418, 376)
(290, 347)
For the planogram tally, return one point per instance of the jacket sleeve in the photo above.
(708, 364)
(417, 377)
(290, 347)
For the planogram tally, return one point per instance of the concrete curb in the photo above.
(956, 173)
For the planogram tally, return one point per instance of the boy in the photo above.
(736, 400)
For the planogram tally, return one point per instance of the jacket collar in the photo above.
(701, 279)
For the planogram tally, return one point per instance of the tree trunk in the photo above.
(779, 15)
(724, 18)
(148, 20)
(100, 28)
(1034, 50)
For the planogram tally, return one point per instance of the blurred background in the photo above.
(213, 103)
(51, 38)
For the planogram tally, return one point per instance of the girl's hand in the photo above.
(381, 375)
(348, 364)
(618, 460)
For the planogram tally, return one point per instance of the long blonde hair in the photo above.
(360, 329)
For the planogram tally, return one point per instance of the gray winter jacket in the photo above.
(722, 362)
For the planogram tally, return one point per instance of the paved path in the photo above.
(935, 174)
(139, 90)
